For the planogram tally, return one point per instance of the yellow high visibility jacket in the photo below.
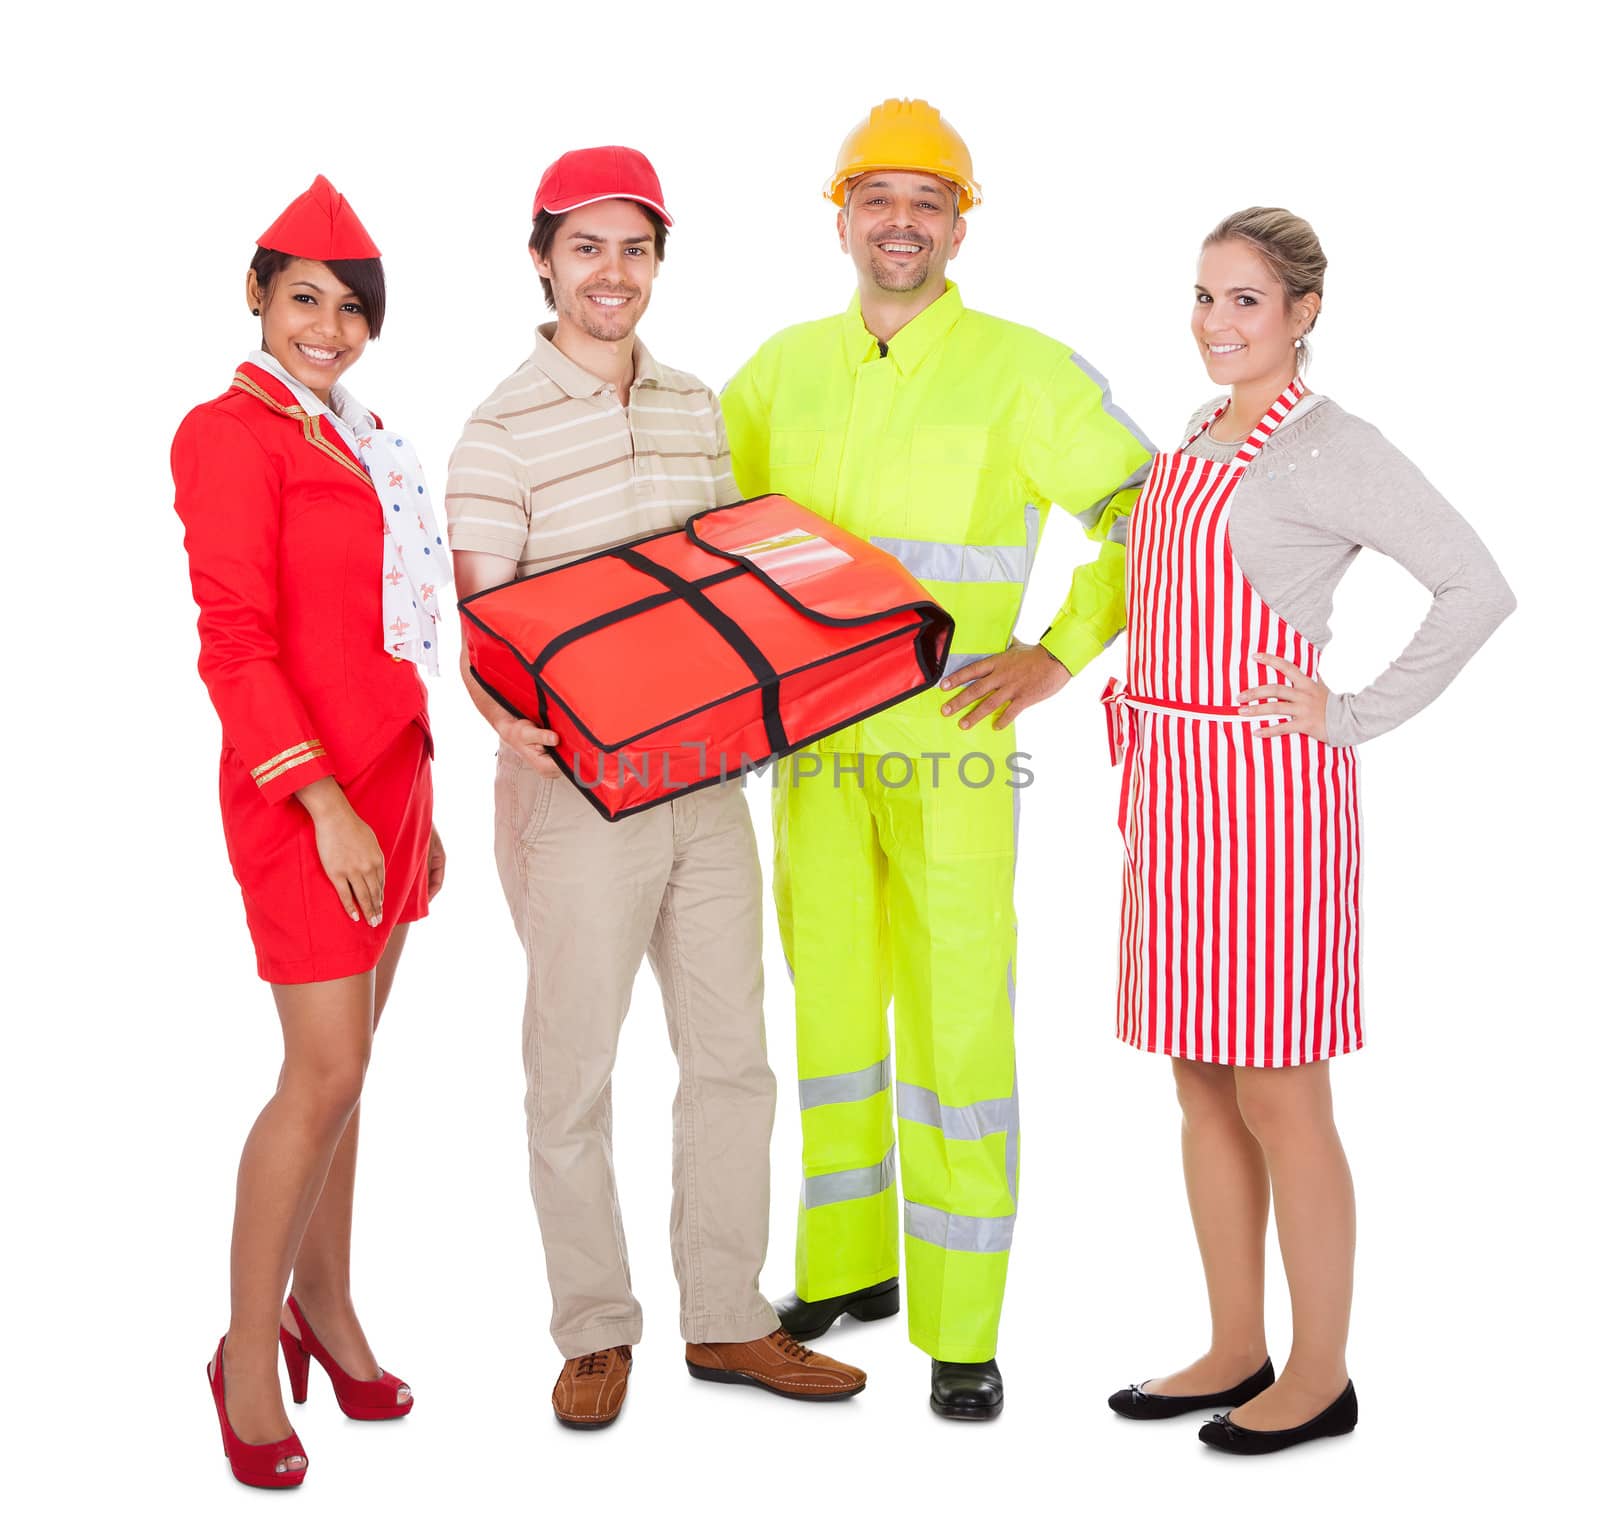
(947, 449)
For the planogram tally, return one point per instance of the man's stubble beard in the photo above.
(592, 321)
(900, 278)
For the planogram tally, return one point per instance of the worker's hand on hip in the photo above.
(530, 741)
(1005, 684)
(1300, 700)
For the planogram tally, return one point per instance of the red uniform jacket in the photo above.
(285, 539)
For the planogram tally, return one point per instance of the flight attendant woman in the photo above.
(315, 564)
(1240, 949)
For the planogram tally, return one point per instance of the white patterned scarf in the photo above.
(416, 563)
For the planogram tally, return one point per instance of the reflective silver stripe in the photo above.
(967, 1235)
(1030, 521)
(1090, 518)
(959, 562)
(957, 1123)
(1115, 411)
(968, 1123)
(1013, 1141)
(1119, 531)
(850, 1184)
(842, 1088)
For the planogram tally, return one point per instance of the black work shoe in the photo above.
(810, 1320)
(967, 1391)
(1135, 1402)
(1339, 1417)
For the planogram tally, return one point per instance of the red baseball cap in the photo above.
(582, 176)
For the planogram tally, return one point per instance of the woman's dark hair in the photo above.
(547, 224)
(362, 277)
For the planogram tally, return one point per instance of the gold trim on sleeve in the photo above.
(294, 764)
(283, 754)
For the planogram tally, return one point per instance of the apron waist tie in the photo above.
(1114, 698)
(1118, 701)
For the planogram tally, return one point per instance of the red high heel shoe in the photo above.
(261, 1466)
(386, 1397)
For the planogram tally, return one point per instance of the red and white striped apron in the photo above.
(1241, 889)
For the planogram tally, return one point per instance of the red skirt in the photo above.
(301, 932)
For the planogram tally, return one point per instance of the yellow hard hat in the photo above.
(905, 135)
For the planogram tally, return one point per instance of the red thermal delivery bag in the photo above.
(687, 657)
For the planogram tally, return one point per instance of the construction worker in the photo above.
(943, 435)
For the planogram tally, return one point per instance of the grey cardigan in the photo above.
(1326, 485)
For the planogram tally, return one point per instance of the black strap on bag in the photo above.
(725, 628)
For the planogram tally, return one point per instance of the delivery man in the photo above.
(943, 435)
(590, 442)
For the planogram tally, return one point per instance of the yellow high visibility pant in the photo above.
(891, 884)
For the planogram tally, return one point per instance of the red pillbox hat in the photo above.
(320, 225)
(582, 176)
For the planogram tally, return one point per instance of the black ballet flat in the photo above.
(1134, 1402)
(1339, 1417)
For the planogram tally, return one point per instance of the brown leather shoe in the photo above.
(590, 1389)
(779, 1364)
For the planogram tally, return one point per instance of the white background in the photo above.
(1434, 150)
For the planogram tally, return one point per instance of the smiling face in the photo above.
(312, 325)
(601, 267)
(1243, 321)
(901, 229)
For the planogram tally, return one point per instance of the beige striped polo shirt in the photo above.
(552, 466)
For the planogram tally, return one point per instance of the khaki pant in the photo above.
(681, 882)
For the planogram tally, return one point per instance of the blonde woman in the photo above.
(1240, 946)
